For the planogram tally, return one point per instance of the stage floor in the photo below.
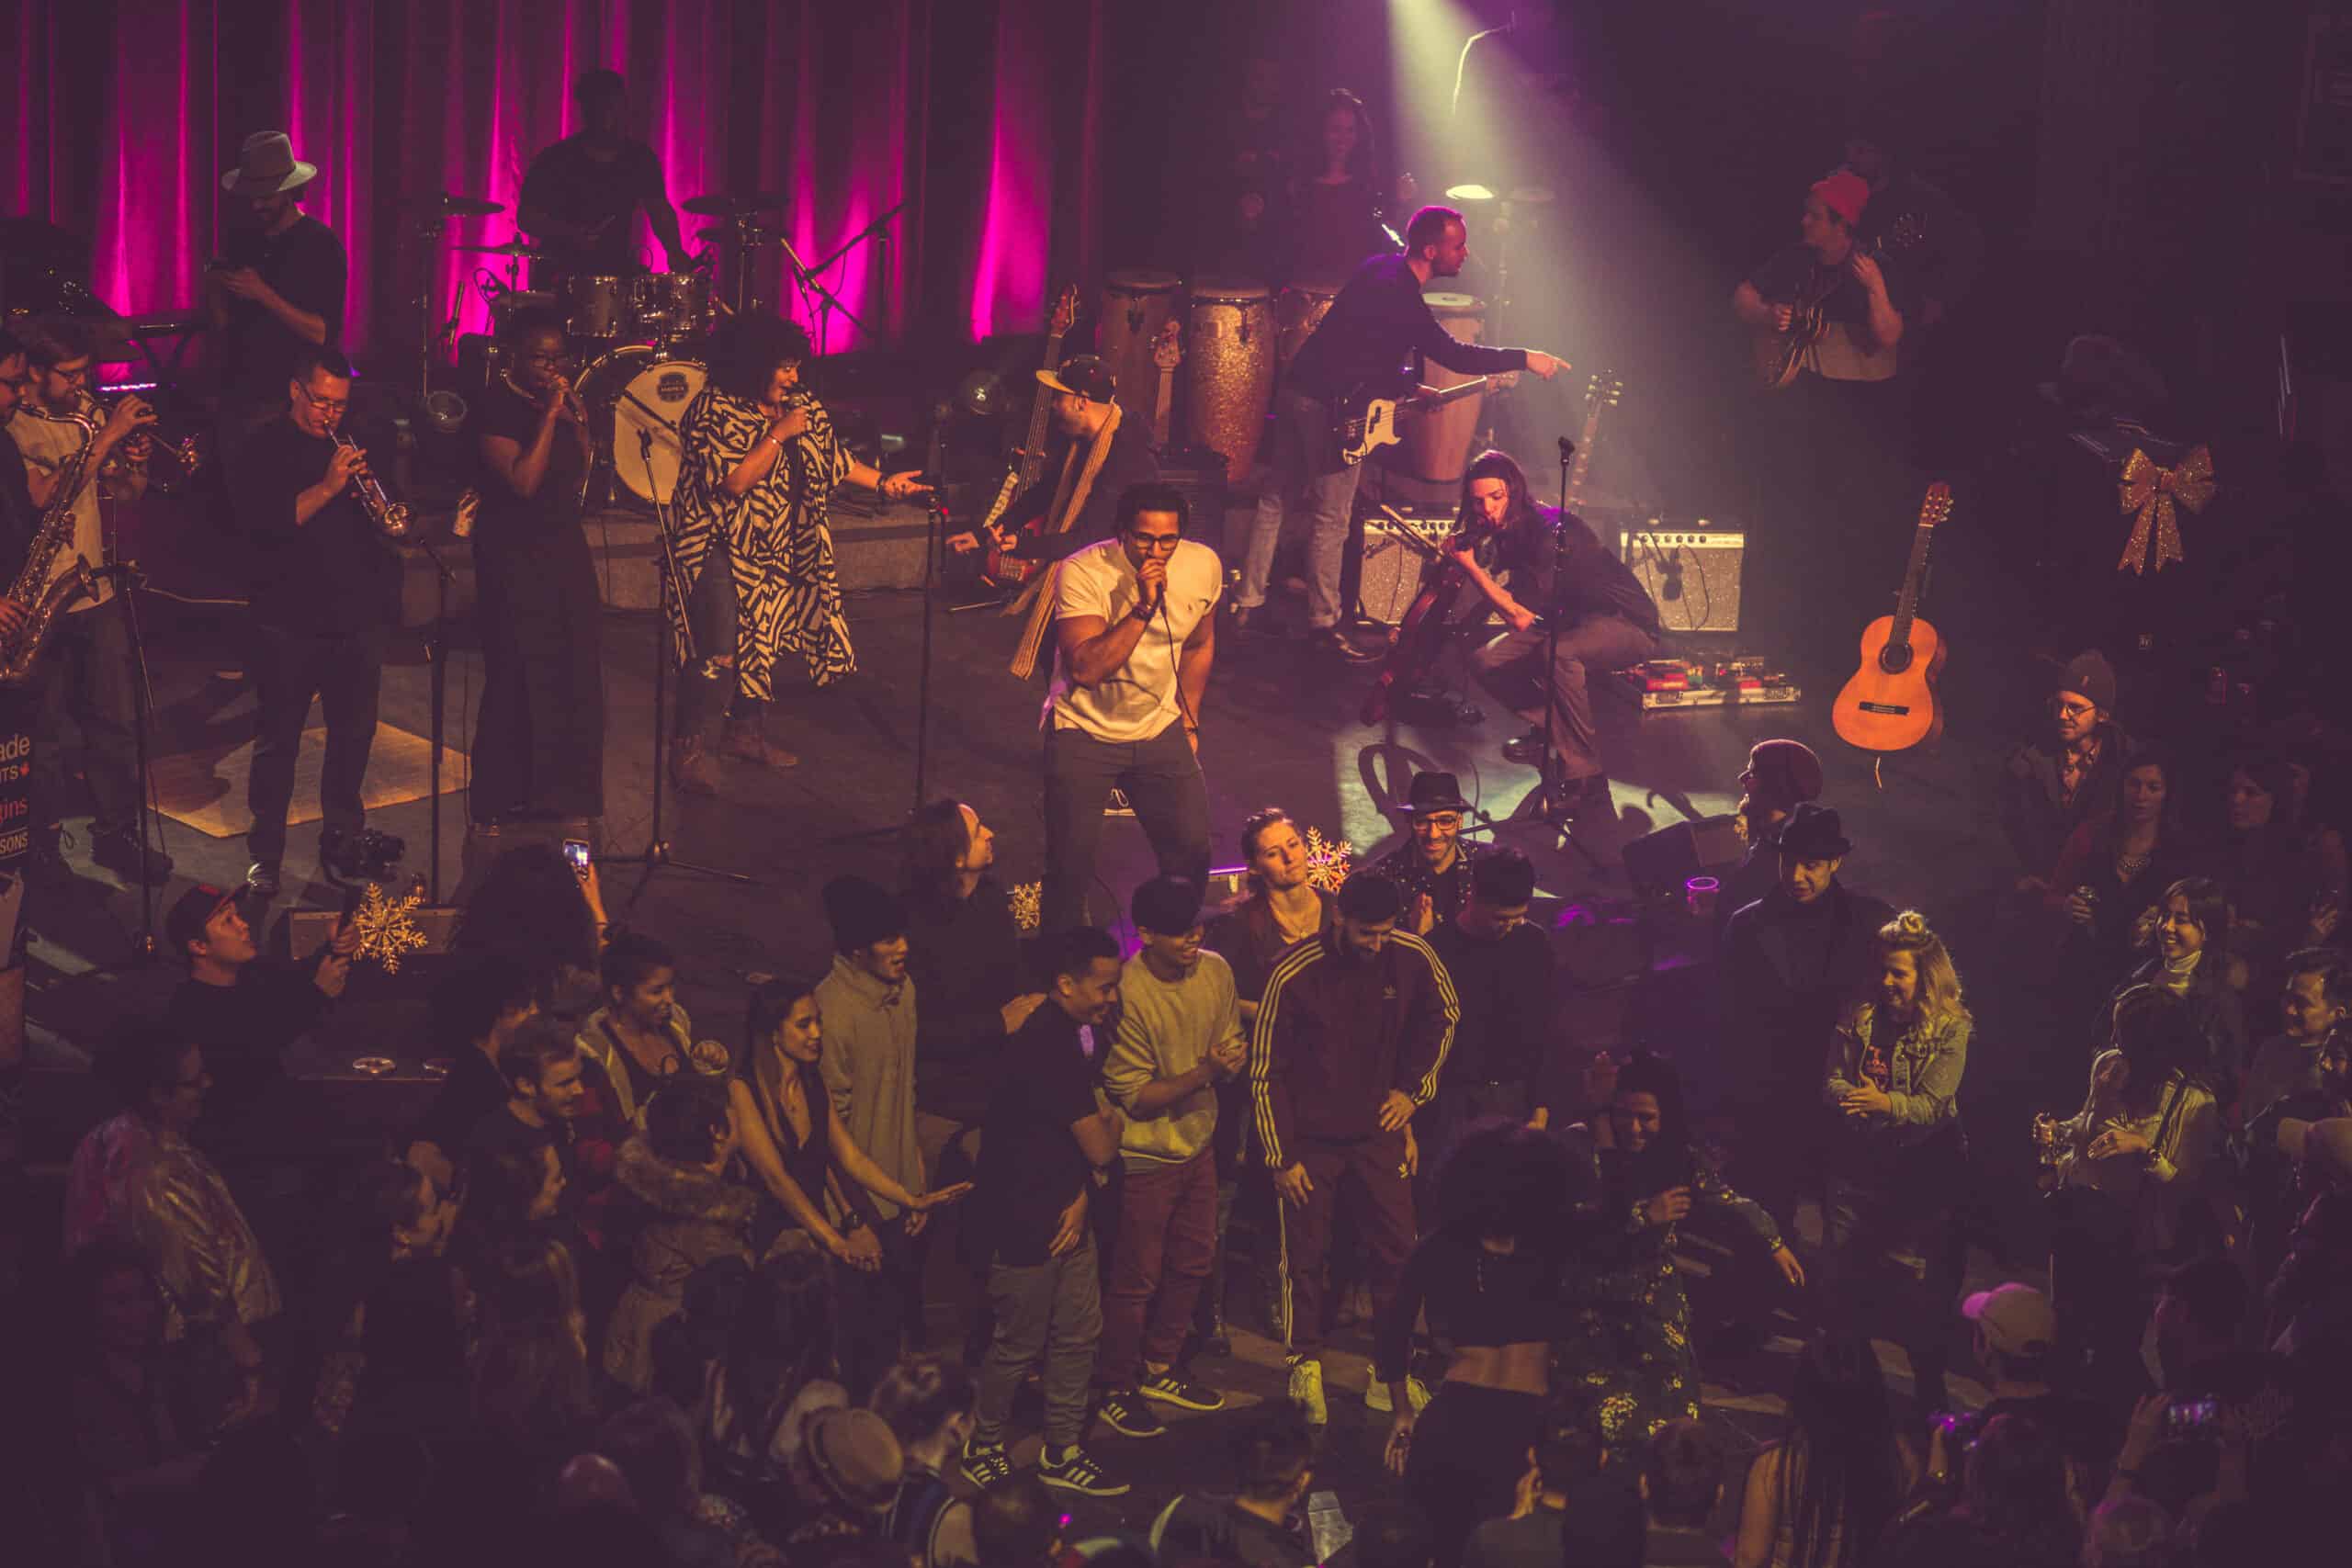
(1280, 727)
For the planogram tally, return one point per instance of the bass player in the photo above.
(1559, 571)
(1077, 504)
(1378, 319)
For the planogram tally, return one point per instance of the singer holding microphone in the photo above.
(1135, 635)
(753, 546)
(539, 750)
(1570, 608)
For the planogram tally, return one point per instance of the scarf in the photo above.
(2179, 975)
(1070, 500)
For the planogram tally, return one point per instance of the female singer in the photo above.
(755, 549)
(539, 742)
(1336, 215)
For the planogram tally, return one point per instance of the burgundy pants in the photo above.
(1370, 1171)
(1167, 1240)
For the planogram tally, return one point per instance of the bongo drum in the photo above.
(1135, 305)
(1229, 343)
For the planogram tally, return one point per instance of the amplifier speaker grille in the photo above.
(1691, 576)
(1391, 573)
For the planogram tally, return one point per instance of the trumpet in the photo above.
(179, 461)
(393, 519)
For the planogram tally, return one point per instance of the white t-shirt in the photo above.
(1137, 700)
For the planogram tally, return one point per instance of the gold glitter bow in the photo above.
(2149, 491)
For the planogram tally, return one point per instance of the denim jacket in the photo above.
(1924, 1066)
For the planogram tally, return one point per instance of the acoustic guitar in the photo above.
(1367, 417)
(998, 565)
(1780, 356)
(1890, 704)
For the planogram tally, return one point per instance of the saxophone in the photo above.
(45, 600)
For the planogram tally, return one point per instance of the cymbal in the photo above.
(731, 206)
(456, 205)
(724, 234)
(511, 248)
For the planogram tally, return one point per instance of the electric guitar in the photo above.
(1890, 704)
(1604, 391)
(1167, 353)
(1780, 356)
(999, 565)
(1367, 419)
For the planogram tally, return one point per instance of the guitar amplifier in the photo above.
(1390, 575)
(1692, 573)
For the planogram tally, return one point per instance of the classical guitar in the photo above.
(1890, 704)
(1780, 356)
(1367, 417)
(1167, 353)
(999, 567)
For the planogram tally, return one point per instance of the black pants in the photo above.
(84, 677)
(1163, 781)
(539, 741)
(1514, 661)
(1891, 1256)
(344, 672)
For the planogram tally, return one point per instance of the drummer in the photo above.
(580, 195)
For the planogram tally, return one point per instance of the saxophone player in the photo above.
(325, 597)
(87, 673)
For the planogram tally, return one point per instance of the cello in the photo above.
(1420, 635)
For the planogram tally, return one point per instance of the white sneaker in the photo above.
(1307, 1391)
(1375, 1395)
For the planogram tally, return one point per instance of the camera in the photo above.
(361, 854)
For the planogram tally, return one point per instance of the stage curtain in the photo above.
(981, 115)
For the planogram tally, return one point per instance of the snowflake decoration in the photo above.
(1025, 905)
(1327, 863)
(387, 927)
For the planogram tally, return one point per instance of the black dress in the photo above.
(539, 739)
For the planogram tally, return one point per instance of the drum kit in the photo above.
(639, 338)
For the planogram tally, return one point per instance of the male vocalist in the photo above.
(1378, 319)
(86, 673)
(580, 195)
(325, 593)
(1135, 634)
(539, 743)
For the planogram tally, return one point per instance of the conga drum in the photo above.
(1230, 346)
(1435, 445)
(1135, 305)
(1299, 312)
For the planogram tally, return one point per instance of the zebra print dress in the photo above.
(779, 542)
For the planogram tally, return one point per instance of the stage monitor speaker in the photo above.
(1658, 864)
(1390, 575)
(1198, 474)
(1692, 573)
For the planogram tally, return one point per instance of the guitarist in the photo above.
(1559, 572)
(1377, 321)
(1862, 325)
(1077, 504)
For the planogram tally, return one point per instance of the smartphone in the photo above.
(2190, 1415)
(576, 852)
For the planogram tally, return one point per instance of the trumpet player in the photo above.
(539, 744)
(325, 594)
(86, 673)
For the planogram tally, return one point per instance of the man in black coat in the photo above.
(1792, 960)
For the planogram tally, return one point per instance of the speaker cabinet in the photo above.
(1690, 574)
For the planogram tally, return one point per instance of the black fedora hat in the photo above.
(1434, 792)
(1813, 832)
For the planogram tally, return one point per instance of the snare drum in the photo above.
(596, 307)
(1229, 345)
(1299, 312)
(504, 307)
(641, 389)
(1135, 305)
(1434, 445)
(670, 304)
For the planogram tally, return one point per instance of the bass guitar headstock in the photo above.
(1167, 346)
(1065, 313)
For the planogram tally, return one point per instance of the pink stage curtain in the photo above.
(125, 112)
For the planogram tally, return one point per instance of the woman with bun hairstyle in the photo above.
(1897, 1172)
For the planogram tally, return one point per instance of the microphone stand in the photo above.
(436, 645)
(656, 853)
(1552, 658)
(805, 277)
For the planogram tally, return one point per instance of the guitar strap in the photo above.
(1070, 500)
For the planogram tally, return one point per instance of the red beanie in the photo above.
(1845, 193)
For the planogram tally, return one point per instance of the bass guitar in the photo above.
(1167, 353)
(1780, 356)
(1367, 419)
(1890, 704)
(999, 565)
(1605, 390)
(1420, 636)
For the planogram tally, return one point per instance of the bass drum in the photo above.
(1434, 445)
(635, 393)
(1229, 345)
(1135, 305)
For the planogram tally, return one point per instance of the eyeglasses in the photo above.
(324, 405)
(73, 372)
(2072, 710)
(1440, 819)
(1155, 541)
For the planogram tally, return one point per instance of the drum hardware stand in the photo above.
(144, 949)
(656, 853)
(805, 278)
(436, 648)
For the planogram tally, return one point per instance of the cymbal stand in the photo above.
(805, 277)
(429, 231)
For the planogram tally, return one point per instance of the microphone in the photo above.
(1568, 449)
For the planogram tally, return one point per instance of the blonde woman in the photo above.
(1896, 1165)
